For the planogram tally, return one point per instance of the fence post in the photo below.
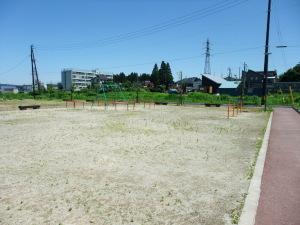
(228, 111)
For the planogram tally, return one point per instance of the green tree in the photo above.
(155, 75)
(163, 73)
(169, 76)
(291, 75)
(144, 77)
(132, 77)
(119, 78)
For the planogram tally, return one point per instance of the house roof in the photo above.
(230, 84)
(189, 80)
(270, 73)
(8, 86)
(214, 78)
(219, 80)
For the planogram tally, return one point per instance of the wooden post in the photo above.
(74, 106)
(233, 110)
(82, 104)
(292, 97)
(228, 110)
(115, 105)
(66, 104)
(144, 104)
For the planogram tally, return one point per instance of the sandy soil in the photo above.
(168, 165)
(7, 105)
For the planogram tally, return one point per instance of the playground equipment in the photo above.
(234, 109)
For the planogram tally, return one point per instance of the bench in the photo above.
(24, 107)
(160, 103)
(210, 104)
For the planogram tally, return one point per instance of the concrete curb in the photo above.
(251, 203)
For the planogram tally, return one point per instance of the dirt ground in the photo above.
(13, 104)
(168, 165)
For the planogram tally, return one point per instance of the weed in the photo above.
(237, 211)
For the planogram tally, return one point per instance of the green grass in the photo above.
(195, 97)
(235, 213)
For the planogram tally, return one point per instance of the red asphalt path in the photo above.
(279, 202)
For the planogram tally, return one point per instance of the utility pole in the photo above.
(137, 89)
(243, 83)
(207, 69)
(34, 73)
(266, 60)
(245, 66)
(181, 100)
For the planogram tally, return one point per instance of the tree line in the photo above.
(159, 76)
(291, 75)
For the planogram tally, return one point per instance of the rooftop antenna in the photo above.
(229, 72)
(207, 69)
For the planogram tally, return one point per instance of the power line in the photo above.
(279, 33)
(149, 63)
(15, 66)
(238, 50)
(186, 58)
(196, 15)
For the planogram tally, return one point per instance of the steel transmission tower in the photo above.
(34, 73)
(207, 58)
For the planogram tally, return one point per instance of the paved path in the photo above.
(279, 202)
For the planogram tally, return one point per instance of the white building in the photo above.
(79, 79)
(8, 88)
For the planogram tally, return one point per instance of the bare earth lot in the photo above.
(169, 165)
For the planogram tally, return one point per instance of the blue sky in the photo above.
(56, 26)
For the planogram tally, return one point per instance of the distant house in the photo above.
(253, 81)
(9, 88)
(217, 85)
(25, 88)
(53, 86)
(190, 84)
(285, 87)
(232, 78)
(148, 84)
(101, 78)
